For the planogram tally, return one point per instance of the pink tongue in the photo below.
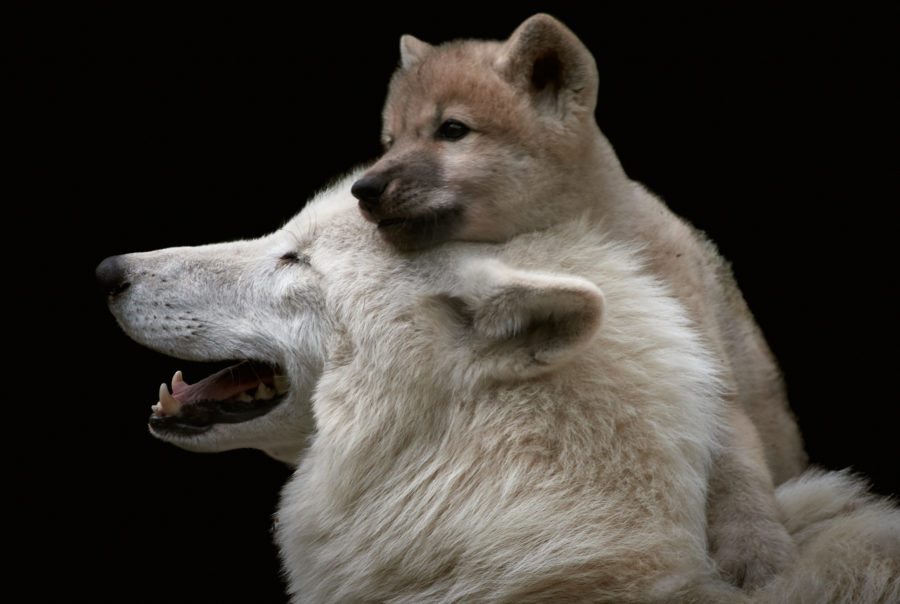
(225, 384)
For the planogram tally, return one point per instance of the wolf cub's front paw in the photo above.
(750, 554)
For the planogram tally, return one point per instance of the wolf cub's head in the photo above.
(482, 140)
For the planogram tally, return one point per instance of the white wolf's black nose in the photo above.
(368, 190)
(111, 276)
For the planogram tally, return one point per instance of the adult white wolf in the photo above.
(478, 435)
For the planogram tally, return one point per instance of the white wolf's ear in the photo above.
(546, 60)
(412, 51)
(525, 323)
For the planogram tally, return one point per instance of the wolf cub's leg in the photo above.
(747, 539)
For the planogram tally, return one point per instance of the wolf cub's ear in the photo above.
(525, 323)
(546, 60)
(412, 51)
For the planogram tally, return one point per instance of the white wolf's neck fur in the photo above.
(428, 480)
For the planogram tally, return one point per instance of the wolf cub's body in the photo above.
(486, 140)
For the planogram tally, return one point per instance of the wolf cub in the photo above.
(485, 140)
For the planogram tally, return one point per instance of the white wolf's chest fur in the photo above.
(428, 482)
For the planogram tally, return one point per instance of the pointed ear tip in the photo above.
(412, 50)
(409, 41)
(590, 291)
(542, 20)
(546, 17)
(588, 300)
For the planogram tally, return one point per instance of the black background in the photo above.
(145, 129)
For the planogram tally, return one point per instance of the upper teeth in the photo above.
(168, 404)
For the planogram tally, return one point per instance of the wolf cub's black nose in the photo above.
(368, 190)
(111, 276)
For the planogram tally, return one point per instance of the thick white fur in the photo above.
(443, 466)
(441, 470)
(849, 543)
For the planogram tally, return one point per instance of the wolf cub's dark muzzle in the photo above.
(368, 190)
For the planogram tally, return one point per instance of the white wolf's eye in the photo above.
(293, 258)
(452, 130)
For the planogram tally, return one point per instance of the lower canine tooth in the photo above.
(264, 392)
(243, 397)
(168, 403)
(282, 384)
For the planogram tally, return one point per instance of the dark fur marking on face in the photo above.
(410, 212)
(421, 230)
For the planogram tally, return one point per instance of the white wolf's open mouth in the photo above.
(237, 393)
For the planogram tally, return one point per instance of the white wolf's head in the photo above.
(253, 305)
(258, 307)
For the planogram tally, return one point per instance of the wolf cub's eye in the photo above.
(452, 130)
